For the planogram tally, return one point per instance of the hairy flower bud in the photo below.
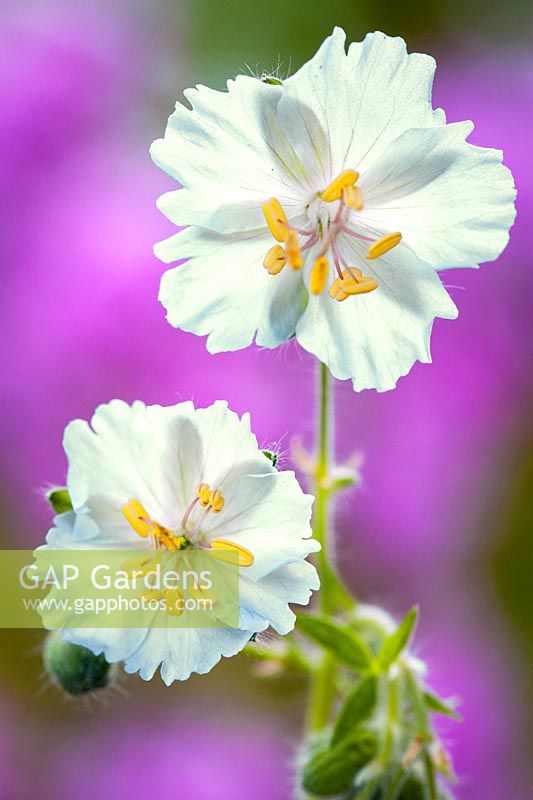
(59, 499)
(74, 668)
(331, 771)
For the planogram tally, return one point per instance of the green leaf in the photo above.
(60, 500)
(342, 642)
(438, 706)
(331, 771)
(357, 707)
(394, 644)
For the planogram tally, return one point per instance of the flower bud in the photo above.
(332, 770)
(59, 499)
(272, 457)
(75, 668)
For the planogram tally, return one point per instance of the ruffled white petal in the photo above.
(376, 338)
(73, 530)
(343, 109)
(179, 652)
(264, 603)
(230, 154)
(453, 202)
(131, 452)
(224, 292)
(268, 515)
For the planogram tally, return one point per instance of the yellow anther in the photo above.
(223, 549)
(334, 190)
(352, 282)
(138, 517)
(275, 259)
(319, 275)
(292, 249)
(174, 602)
(216, 501)
(167, 538)
(275, 217)
(353, 197)
(203, 493)
(383, 245)
(340, 296)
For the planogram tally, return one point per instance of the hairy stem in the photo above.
(323, 684)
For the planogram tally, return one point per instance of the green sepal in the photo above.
(60, 500)
(332, 770)
(341, 641)
(358, 706)
(436, 705)
(272, 456)
(396, 643)
(271, 79)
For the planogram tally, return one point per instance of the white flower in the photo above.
(181, 475)
(366, 193)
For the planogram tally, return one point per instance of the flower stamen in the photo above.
(352, 282)
(275, 260)
(145, 527)
(203, 493)
(216, 501)
(383, 245)
(138, 517)
(319, 275)
(276, 219)
(335, 189)
(292, 249)
(226, 551)
(210, 499)
(353, 197)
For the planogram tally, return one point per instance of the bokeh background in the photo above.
(444, 513)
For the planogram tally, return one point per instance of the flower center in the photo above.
(190, 532)
(324, 230)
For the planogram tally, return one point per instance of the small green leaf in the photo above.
(60, 500)
(357, 707)
(331, 771)
(438, 706)
(394, 644)
(342, 642)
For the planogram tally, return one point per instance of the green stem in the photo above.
(323, 491)
(323, 686)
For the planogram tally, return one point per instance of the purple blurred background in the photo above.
(443, 516)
